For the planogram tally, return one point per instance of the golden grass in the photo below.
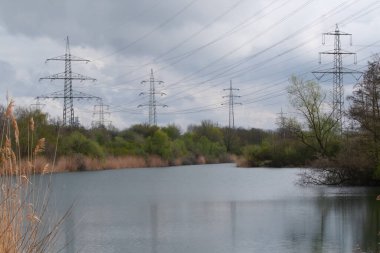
(24, 225)
(74, 163)
(83, 163)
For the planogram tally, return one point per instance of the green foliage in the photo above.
(42, 129)
(290, 152)
(207, 140)
(252, 155)
(172, 131)
(77, 143)
(277, 151)
(211, 150)
(207, 129)
(101, 135)
(159, 144)
(144, 130)
(178, 149)
(119, 147)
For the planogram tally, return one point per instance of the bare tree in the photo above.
(365, 108)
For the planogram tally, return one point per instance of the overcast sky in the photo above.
(194, 46)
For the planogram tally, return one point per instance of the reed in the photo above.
(24, 222)
(84, 163)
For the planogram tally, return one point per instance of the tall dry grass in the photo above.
(84, 163)
(24, 225)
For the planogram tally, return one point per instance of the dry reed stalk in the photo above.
(93, 163)
(75, 163)
(39, 147)
(83, 163)
(156, 161)
(124, 162)
(23, 206)
(64, 164)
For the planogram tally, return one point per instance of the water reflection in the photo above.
(335, 224)
(69, 233)
(154, 226)
(215, 209)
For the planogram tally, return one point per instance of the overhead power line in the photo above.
(100, 111)
(231, 103)
(152, 98)
(337, 71)
(167, 21)
(68, 94)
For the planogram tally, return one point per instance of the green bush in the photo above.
(159, 144)
(77, 143)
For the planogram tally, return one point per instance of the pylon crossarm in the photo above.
(337, 53)
(68, 57)
(63, 76)
(82, 95)
(334, 71)
(54, 95)
(76, 95)
(76, 76)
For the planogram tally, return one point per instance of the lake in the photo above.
(212, 208)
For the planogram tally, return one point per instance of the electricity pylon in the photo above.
(152, 98)
(337, 71)
(74, 122)
(231, 103)
(231, 114)
(68, 76)
(38, 105)
(281, 121)
(101, 110)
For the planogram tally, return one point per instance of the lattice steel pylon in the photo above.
(231, 103)
(231, 114)
(74, 95)
(37, 105)
(337, 71)
(152, 98)
(68, 76)
(101, 110)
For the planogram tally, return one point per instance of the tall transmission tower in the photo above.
(37, 105)
(68, 93)
(281, 121)
(101, 110)
(152, 98)
(337, 71)
(231, 114)
(231, 103)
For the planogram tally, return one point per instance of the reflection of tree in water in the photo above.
(340, 224)
(345, 224)
(371, 239)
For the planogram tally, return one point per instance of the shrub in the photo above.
(77, 143)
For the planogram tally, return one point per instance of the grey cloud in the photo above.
(108, 27)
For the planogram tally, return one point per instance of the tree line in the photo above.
(206, 142)
(313, 138)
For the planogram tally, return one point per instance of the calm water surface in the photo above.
(212, 208)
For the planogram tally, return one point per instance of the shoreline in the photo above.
(81, 163)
